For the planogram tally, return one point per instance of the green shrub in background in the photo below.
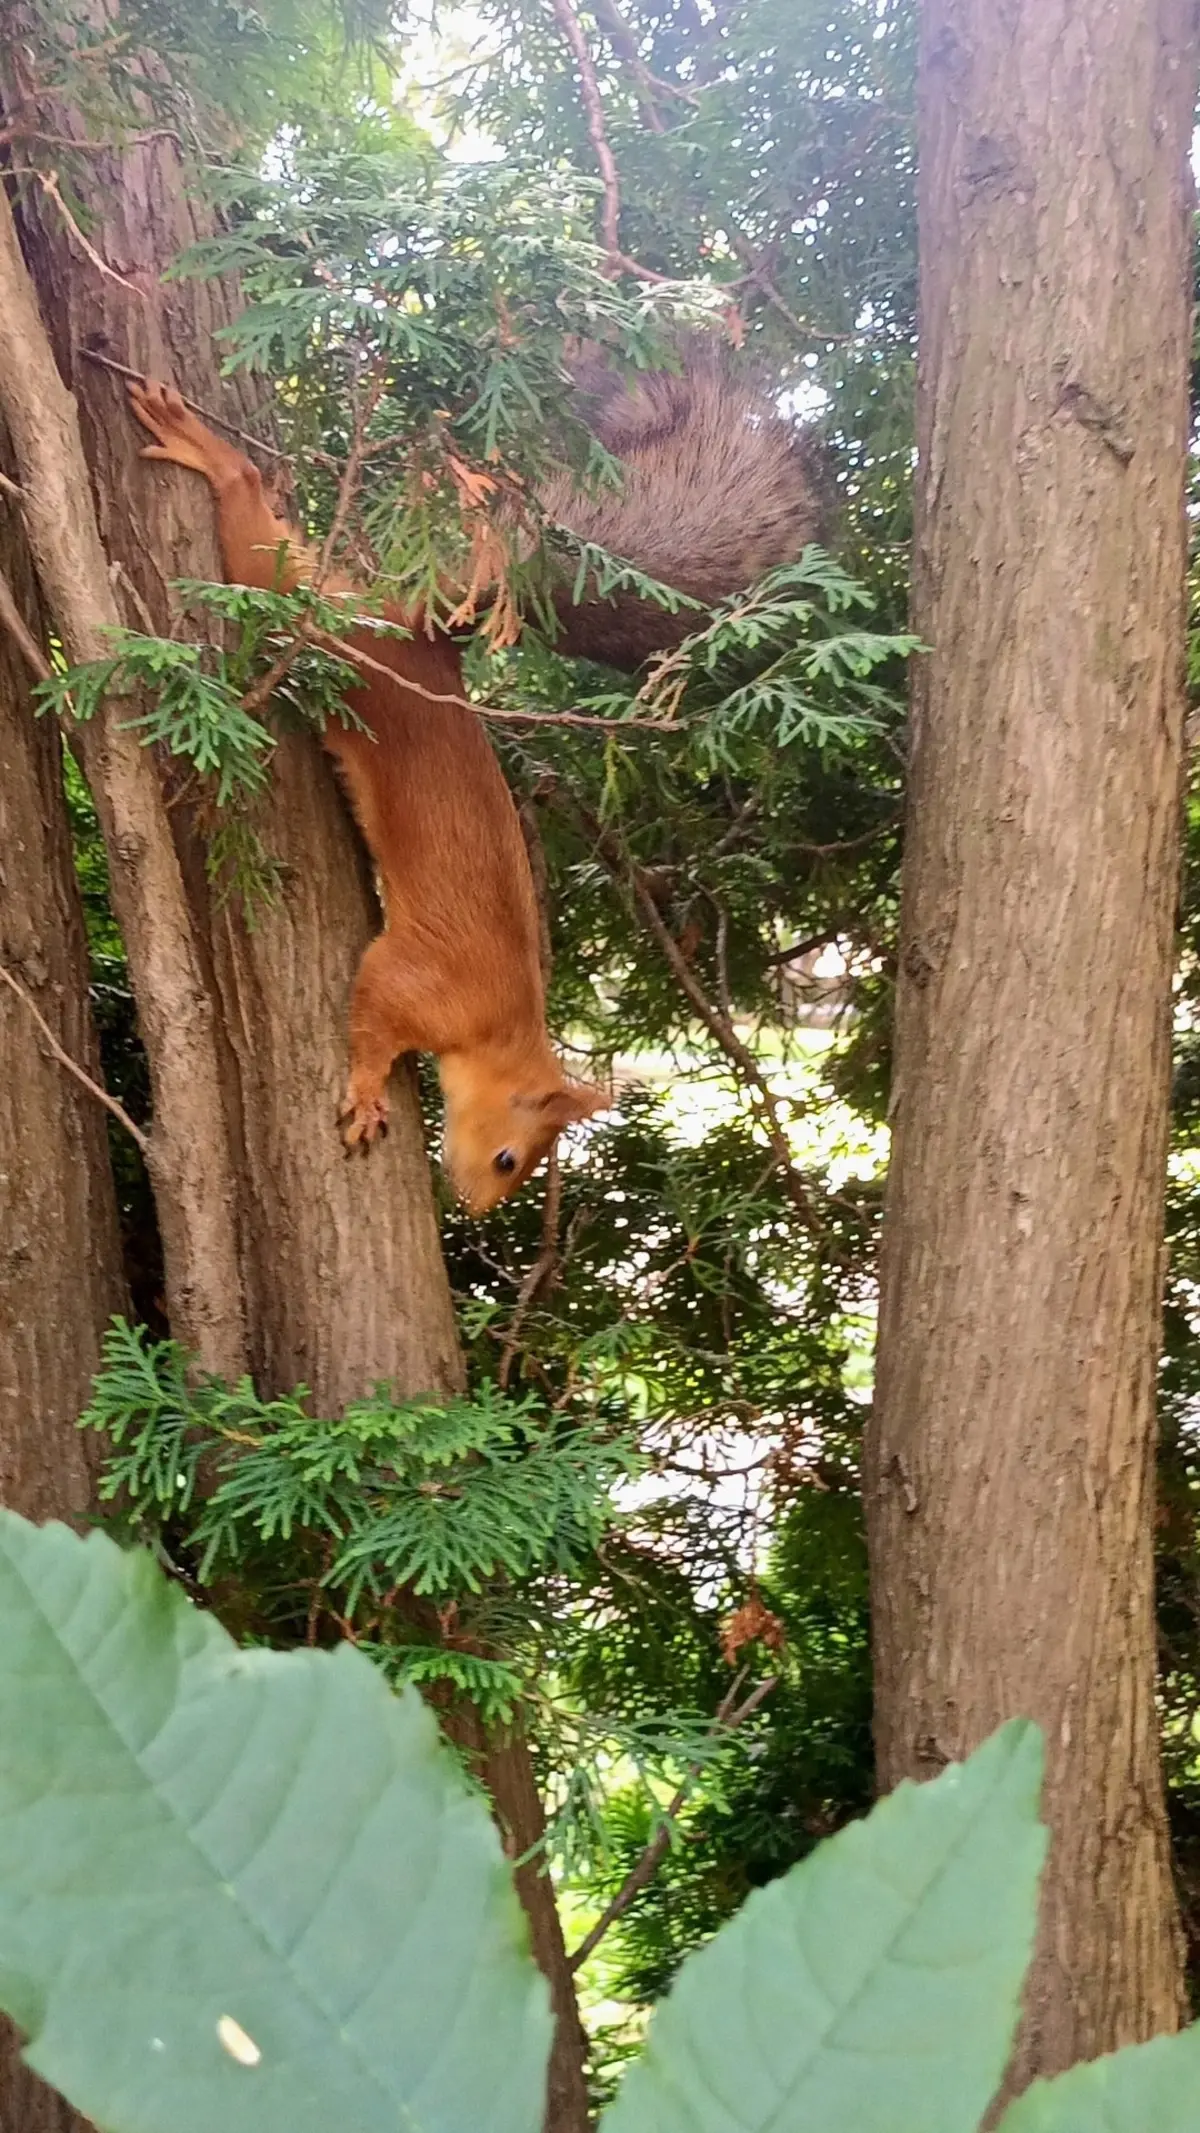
(249, 1892)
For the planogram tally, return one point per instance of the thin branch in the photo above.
(747, 812)
(22, 636)
(122, 370)
(625, 869)
(624, 44)
(9, 135)
(541, 1274)
(568, 718)
(488, 711)
(804, 947)
(309, 633)
(723, 956)
(759, 275)
(259, 695)
(730, 1715)
(351, 474)
(849, 844)
(704, 38)
(72, 1066)
(48, 180)
(593, 104)
(12, 488)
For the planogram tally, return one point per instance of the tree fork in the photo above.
(1010, 1460)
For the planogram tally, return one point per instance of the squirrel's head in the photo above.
(496, 1137)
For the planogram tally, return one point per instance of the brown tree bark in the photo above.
(502, 1763)
(60, 1276)
(1010, 1461)
(508, 1774)
(59, 1253)
(190, 1155)
(340, 1261)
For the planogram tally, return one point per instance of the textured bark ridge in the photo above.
(59, 1252)
(1010, 1465)
(59, 1255)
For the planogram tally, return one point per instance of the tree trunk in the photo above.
(189, 1149)
(1010, 1461)
(59, 1252)
(502, 1763)
(341, 1263)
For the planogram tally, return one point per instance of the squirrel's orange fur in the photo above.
(456, 972)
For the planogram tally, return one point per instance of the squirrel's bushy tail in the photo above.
(719, 488)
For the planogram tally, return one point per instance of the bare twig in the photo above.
(541, 1274)
(308, 632)
(723, 957)
(22, 636)
(12, 488)
(730, 1715)
(72, 1066)
(849, 844)
(625, 869)
(804, 947)
(48, 180)
(593, 104)
(305, 633)
(746, 813)
(11, 135)
(351, 473)
(488, 711)
(758, 273)
(259, 694)
(122, 370)
(624, 44)
(568, 718)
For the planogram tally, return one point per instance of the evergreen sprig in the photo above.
(438, 1498)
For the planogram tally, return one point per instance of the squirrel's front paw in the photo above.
(363, 1119)
(182, 440)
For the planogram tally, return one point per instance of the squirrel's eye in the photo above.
(505, 1162)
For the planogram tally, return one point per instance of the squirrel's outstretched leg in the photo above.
(256, 547)
(382, 1027)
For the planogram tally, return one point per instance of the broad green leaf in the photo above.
(210, 1857)
(874, 1988)
(1148, 2088)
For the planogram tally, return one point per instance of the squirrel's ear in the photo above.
(567, 1105)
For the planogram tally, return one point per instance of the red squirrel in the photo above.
(456, 971)
(717, 489)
